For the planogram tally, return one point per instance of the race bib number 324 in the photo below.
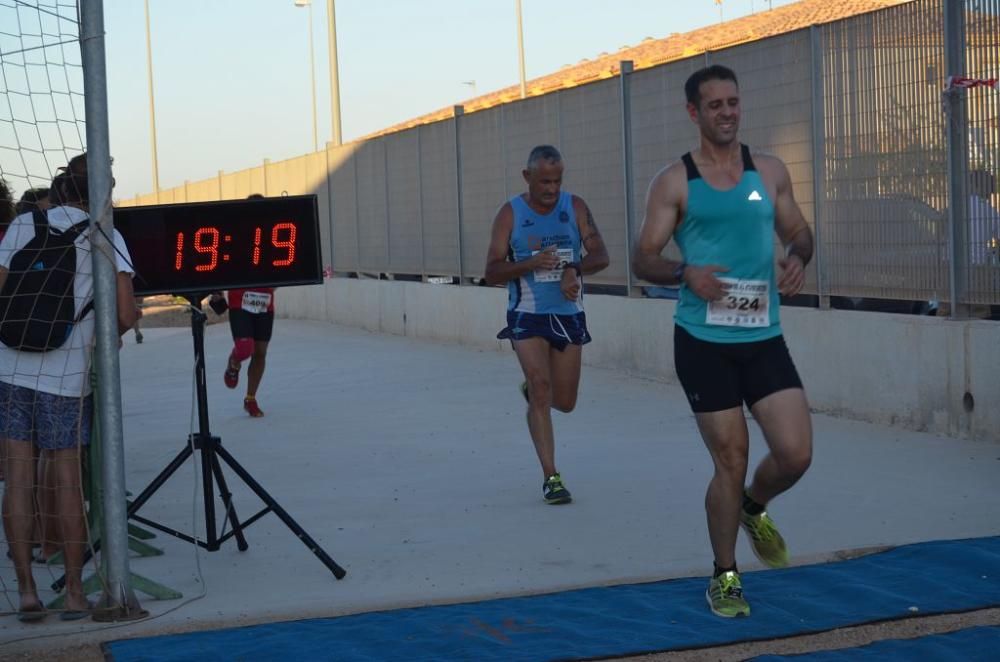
(744, 304)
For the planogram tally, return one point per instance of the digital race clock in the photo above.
(209, 246)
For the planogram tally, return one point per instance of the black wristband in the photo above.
(575, 265)
(679, 272)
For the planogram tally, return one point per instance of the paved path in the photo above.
(409, 462)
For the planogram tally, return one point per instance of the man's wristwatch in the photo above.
(679, 272)
(576, 266)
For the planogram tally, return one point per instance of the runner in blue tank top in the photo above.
(536, 247)
(723, 206)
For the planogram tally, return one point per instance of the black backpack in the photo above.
(37, 306)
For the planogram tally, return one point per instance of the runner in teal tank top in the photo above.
(724, 205)
(734, 227)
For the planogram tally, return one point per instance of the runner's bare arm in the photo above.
(127, 310)
(498, 269)
(792, 229)
(596, 257)
(664, 202)
(789, 222)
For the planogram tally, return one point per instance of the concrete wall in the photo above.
(894, 369)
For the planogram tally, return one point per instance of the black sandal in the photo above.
(32, 615)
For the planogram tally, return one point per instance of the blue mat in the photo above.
(925, 578)
(980, 643)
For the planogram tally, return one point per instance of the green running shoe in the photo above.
(725, 596)
(766, 542)
(554, 491)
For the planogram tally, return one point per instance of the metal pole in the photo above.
(118, 601)
(819, 161)
(520, 49)
(331, 201)
(312, 69)
(312, 79)
(355, 157)
(152, 107)
(954, 42)
(331, 12)
(625, 68)
(388, 208)
(420, 207)
(458, 112)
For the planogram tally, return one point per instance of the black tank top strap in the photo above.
(692, 169)
(747, 160)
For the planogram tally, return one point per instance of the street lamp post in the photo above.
(152, 107)
(331, 12)
(312, 69)
(520, 49)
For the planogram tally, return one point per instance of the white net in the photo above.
(41, 90)
(45, 422)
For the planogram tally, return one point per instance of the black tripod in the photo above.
(211, 450)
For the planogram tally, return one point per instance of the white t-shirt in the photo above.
(65, 370)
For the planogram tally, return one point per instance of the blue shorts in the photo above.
(51, 422)
(559, 330)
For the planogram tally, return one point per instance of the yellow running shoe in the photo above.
(554, 491)
(725, 596)
(766, 542)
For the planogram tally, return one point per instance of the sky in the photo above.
(232, 85)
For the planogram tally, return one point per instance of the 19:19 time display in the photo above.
(219, 245)
(208, 245)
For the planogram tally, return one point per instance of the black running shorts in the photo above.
(718, 376)
(251, 325)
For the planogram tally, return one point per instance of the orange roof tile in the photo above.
(653, 52)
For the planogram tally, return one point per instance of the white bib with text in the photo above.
(744, 304)
(256, 302)
(554, 275)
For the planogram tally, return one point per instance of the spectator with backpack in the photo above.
(46, 342)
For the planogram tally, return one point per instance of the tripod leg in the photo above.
(337, 571)
(160, 479)
(227, 502)
(134, 506)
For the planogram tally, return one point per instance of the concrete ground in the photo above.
(410, 464)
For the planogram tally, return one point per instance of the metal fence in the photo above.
(895, 175)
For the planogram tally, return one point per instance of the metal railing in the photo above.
(856, 108)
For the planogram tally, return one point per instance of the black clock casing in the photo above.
(204, 247)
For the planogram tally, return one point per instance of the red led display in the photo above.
(209, 245)
(205, 247)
